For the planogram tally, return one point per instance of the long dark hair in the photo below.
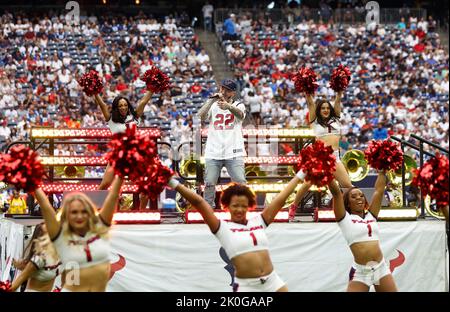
(30, 249)
(320, 120)
(115, 113)
(347, 200)
(236, 189)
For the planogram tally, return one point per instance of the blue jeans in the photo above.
(207, 23)
(235, 168)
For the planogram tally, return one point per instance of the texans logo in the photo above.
(229, 267)
(395, 263)
(117, 266)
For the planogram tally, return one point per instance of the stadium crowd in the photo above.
(399, 85)
(42, 57)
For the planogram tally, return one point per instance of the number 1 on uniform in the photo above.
(370, 230)
(255, 242)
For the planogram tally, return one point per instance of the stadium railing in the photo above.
(280, 16)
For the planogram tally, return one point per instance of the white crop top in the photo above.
(117, 127)
(86, 251)
(356, 229)
(47, 267)
(238, 239)
(334, 128)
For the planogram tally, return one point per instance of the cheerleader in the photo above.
(41, 264)
(121, 114)
(80, 236)
(244, 240)
(358, 223)
(324, 120)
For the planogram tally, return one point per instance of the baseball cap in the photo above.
(229, 84)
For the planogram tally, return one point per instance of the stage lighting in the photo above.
(104, 1)
(324, 215)
(385, 214)
(276, 133)
(271, 5)
(74, 160)
(282, 160)
(196, 217)
(137, 2)
(398, 214)
(137, 217)
(75, 187)
(85, 133)
(266, 187)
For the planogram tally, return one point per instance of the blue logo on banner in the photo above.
(229, 267)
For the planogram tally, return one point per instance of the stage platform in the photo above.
(308, 256)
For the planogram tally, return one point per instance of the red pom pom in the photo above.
(433, 179)
(5, 286)
(305, 81)
(130, 153)
(91, 83)
(340, 78)
(5, 167)
(384, 155)
(319, 163)
(21, 168)
(57, 289)
(135, 156)
(156, 80)
(155, 179)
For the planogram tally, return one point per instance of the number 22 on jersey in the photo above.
(224, 121)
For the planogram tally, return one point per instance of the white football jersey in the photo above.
(238, 239)
(117, 127)
(225, 138)
(86, 251)
(356, 229)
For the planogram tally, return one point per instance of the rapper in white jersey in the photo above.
(225, 142)
(358, 223)
(121, 114)
(244, 240)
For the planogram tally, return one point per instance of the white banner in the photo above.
(307, 256)
(11, 247)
